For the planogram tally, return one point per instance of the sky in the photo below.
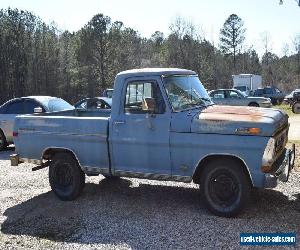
(259, 16)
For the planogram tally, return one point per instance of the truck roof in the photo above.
(157, 71)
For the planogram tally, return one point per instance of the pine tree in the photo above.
(232, 35)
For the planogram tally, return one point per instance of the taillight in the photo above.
(15, 134)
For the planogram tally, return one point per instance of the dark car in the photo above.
(26, 105)
(94, 103)
(273, 93)
(289, 99)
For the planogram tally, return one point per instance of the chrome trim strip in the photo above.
(153, 176)
(28, 131)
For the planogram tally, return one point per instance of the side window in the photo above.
(83, 105)
(268, 91)
(258, 92)
(102, 105)
(30, 106)
(97, 104)
(218, 95)
(15, 108)
(233, 95)
(136, 92)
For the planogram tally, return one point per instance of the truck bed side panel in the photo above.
(85, 136)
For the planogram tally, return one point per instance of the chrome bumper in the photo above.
(283, 172)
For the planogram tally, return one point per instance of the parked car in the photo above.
(273, 93)
(289, 99)
(296, 102)
(234, 97)
(25, 105)
(174, 132)
(94, 103)
(108, 93)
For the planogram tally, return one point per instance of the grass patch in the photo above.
(286, 108)
(297, 142)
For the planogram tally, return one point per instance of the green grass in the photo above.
(297, 142)
(286, 108)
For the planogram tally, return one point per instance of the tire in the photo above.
(296, 108)
(253, 104)
(3, 142)
(273, 101)
(225, 187)
(66, 178)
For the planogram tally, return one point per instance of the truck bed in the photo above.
(83, 132)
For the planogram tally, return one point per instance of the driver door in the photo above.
(140, 140)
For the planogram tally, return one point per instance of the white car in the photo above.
(234, 97)
(25, 105)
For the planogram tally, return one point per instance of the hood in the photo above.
(233, 120)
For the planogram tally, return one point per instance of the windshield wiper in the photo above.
(201, 102)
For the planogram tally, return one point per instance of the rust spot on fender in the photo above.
(229, 113)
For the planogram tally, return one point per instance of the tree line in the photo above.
(38, 59)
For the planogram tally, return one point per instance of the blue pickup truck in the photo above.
(162, 126)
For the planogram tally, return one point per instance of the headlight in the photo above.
(269, 153)
(266, 101)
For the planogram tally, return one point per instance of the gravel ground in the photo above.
(131, 213)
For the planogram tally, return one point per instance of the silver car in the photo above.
(25, 105)
(234, 97)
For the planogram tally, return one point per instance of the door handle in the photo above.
(119, 122)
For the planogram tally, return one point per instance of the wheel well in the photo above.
(50, 152)
(253, 104)
(203, 163)
(1, 131)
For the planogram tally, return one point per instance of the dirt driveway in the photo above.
(131, 214)
(294, 132)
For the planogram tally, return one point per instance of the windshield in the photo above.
(241, 93)
(185, 92)
(109, 93)
(241, 88)
(58, 104)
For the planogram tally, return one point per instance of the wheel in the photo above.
(296, 108)
(273, 101)
(226, 189)
(253, 104)
(66, 178)
(3, 143)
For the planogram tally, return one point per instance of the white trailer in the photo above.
(247, 83)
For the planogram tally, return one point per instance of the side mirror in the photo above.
(149, 105)
(38, 110)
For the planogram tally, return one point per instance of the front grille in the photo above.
(278, 162)
(280, 141)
